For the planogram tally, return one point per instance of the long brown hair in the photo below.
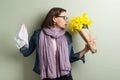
(54, 12)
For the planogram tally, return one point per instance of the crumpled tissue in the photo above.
(21, 37)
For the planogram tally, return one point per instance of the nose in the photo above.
(66, 21)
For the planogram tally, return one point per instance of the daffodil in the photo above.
(79, 22)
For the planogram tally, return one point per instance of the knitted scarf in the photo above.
(53, 66)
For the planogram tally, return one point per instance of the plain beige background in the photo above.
(104, 65)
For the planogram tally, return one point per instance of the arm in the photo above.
(32, 45)
(75, 56)
(79, 55)
(84, 51)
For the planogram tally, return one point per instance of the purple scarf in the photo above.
(49, 67)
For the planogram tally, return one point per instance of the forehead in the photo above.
(63, 14)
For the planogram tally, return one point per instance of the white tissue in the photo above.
(22, 37)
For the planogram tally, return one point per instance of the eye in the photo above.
(64, 17)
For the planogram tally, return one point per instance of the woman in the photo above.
(54, 50)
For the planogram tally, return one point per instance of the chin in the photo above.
(63, 27)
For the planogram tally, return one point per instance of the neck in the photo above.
(57, 27)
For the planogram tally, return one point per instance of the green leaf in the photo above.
(85, 26)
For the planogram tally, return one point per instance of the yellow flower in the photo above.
(79, 22)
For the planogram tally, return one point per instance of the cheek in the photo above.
(60, 22)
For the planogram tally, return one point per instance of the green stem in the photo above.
(85, 26)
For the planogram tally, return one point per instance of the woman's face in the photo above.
(61, 20)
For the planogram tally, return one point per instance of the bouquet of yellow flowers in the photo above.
(81, 24)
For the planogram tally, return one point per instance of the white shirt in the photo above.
(54, 48)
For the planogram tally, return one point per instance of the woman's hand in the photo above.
(85, 50)
(87, 47)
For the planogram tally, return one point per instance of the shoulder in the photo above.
(36, 32)
(68, 36)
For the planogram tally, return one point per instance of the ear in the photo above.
(54, 19)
